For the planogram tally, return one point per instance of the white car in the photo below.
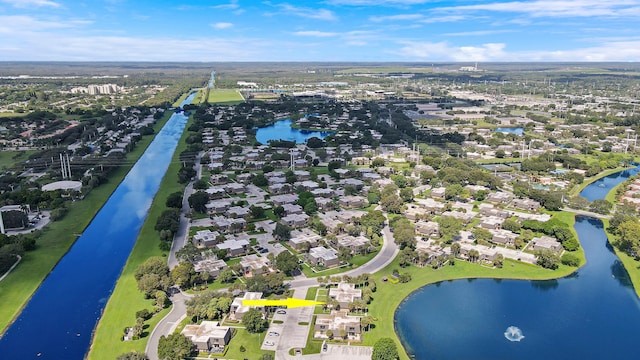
(273, 333)
(269, 343)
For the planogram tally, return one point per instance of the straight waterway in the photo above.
(58, 321)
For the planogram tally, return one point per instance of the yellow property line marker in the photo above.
(289, 302)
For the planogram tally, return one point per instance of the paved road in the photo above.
(168, 324)
(586, 213)
(180, 237)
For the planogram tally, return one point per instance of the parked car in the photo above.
(281, 311)
(273, 333)
(269, 343)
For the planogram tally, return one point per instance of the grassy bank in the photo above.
(126, 299)
(57, 238)
(577, 189)
(9, 158)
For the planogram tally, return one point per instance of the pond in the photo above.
(282, 130)
(510, 130)
(592, 314)
(58, 321)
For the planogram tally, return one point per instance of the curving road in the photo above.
(168, 324)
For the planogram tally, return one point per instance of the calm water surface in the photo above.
(592, 314)
(58, 321)
(281, 130)
(510, 130)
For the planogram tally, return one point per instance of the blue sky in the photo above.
(329, 30)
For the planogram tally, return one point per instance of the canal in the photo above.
(591, 314)
(58, 321)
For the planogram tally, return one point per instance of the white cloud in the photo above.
(16, 24)
(230, 6)
(612, 49)
(222, 25)
(478, 33)
(444, 51)
(399, 17)
(444, 19)
(378, 2)
(31, 3)
(319, 14)
(313, 33)
(553, 8)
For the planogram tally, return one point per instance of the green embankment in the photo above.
(126, 299)
(57, 238)
(218, 96)
(10, 158)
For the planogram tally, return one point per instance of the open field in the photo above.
(57, 238)
(224, 96)
(126, 298)
(10, 158)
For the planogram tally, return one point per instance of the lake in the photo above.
(591, 314)
(58, 321)
(510, 130)
(282, 130)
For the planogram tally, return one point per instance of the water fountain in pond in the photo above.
(513, 333)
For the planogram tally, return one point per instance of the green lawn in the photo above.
(251, 343)
(9, 158)
(57, 238)
(224, 96)
(389, 296)
(126, 299)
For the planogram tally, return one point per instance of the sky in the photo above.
(330, 30)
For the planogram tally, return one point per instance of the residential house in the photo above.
(205, 238)
(212, 265)
(357, 244)
(427, 228)
(228, 224)
(432, 206)
(234, 247)
(491, 222)
(253, 264)
(345, 293)
(238, 309)
(525, 204)
(499, 197)
(208, 336)
(238, 212)
(295, 220)
(545, 243)
(235, 188)
(281, 200)
(216, 192)
(353, 201)
(301, 236)
(338, 323)
(503, 237)
(218, 206)
(325, 204)
(292, 209)
(320, 255)
(438, 193)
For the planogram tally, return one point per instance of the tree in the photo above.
(200, 184)
(174, 200)
(500, 154)
(384, 349)
(175, 347)
(455, 248)
(601, 206)
(448, 227)
(482, 234)
(570, 259)
(548, 259)
(406, 194)
(511, 225)
(253, 321)
(287, 263)
(278, 211)
(168, 220)
(257, 212)
(629, 237)
(226, 276)
(453, 191)
(198, 201)
(134, 355)
(391, 203)
(183, 275)
(282, 232)
(260, 180)
(315, 142)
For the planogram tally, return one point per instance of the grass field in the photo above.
(224, 96)
(9, 158)
(57, 238)
(126, 298)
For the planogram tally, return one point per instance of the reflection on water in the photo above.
(620, 273)
(545, 285)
